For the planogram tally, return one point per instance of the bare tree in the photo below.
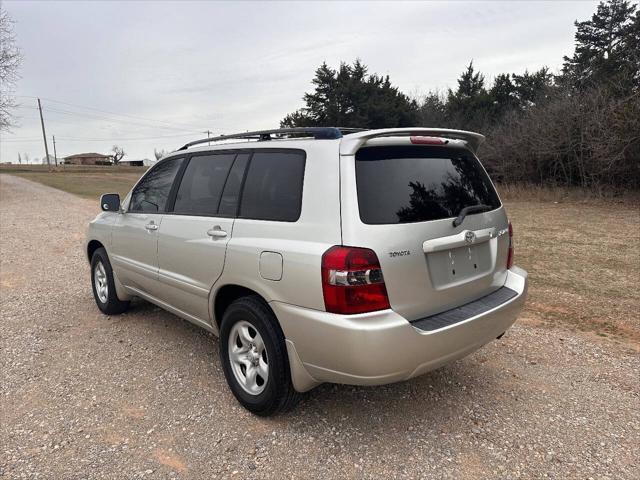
(118, 153)
(159, 153)
(10, 60)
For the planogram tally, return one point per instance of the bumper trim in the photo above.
(465, 312)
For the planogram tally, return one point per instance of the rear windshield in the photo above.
(405, 184)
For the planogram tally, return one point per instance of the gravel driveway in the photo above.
(142, 395)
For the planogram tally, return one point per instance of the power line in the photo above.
(114, 120)
(176, 125)
(109, 139)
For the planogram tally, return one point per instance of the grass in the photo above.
(84, 181)
(583, 260)
(582, 252)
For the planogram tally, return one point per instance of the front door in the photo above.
(134, 241)
(194, 235)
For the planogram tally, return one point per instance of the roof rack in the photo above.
(318, 133)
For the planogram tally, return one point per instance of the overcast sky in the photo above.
(119, 73)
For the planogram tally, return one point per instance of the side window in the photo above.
(230, 196)
(201, 186)
(273, 187)
(151, 194)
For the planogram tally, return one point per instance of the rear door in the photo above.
(401, 199)
(193, 236)
(135, 232)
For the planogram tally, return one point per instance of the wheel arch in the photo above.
(227, 294)
(92, 246)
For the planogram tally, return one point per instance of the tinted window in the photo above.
(151, 194)
(416, 184)
(201, 186)
(230, 195)
(273, 187)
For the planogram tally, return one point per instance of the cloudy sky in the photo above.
(154, 74)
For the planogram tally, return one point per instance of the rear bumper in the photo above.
(383, 347)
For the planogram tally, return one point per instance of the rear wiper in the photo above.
(467, 210)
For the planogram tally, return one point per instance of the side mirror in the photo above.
(110, 202)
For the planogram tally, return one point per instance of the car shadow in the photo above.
(431, 399)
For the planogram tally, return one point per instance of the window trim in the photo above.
(142, 178)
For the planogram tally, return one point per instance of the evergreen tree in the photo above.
(433, 110)
(606, 49)
(350, 97)
(503, 95)
(470, 105)
(531, 87)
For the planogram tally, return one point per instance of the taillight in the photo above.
(352, 281)
(510, 256)
(428, 140)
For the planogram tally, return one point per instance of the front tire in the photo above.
(103, 285)
(254, 358)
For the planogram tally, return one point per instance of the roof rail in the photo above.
(318, 133)
(353, 142)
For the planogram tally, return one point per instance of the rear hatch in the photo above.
(400, 199)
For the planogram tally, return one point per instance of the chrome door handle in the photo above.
(216, 232)
(151, 226)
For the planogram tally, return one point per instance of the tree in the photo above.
(606, 49)
(532, 87)
(159, 153)
(470, 105)
(10, 60)
(118, 153)
(350, 97)
(433, 110)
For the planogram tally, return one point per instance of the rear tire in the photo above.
(252, 347)
(103, 285)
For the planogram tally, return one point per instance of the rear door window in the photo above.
(405, 184)
(151, 194)
(202, 183)
(273, 186)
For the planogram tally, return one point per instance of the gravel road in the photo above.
(143, 395)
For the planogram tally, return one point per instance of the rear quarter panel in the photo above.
(300, 243)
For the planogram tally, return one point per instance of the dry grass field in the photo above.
(582, 253)
(583, 260)
(85, 181)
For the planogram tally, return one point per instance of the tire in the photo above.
(101, 277)
(276, 393)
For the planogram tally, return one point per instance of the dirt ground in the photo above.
(142, 395)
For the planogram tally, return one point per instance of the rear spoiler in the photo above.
(352, 142)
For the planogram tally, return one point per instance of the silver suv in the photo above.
(317, 255)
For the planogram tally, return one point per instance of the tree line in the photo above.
(577, 127)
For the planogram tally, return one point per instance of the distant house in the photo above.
(131, 163)
(88, 159)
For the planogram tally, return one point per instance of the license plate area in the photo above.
(459, 265)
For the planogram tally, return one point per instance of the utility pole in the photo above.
(44, 135)
(209, 135)
(55, 154)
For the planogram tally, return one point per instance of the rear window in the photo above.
(273, 186)
(405, 184)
